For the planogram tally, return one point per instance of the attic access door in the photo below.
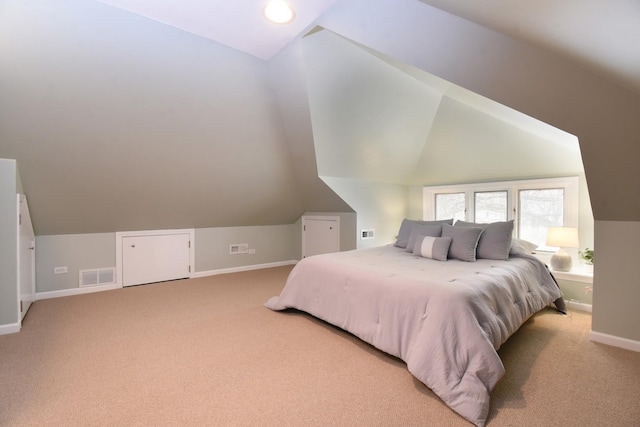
(154, 256)
(26, 257)
(320, 235)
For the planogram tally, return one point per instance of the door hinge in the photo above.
(189, 244)
(189, 269)
(20, 306)
(19, 219)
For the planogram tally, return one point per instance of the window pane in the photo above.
(450, 206)
(490, 206)
(539, 210)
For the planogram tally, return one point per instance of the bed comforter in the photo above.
(445, 320)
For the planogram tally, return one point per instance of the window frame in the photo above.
(569, 184)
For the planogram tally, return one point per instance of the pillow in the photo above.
(464, 241)
(407, 225)
(432, 247)
(495, 241)
(522, 246)
(423, 230)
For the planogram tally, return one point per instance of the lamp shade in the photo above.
(563, 237)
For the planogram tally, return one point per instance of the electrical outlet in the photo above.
(59, 270)
(251, 251)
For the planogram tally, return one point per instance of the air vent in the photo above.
(239, 248)
(100, 276)
(367, 234)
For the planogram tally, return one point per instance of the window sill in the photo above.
(579, 273)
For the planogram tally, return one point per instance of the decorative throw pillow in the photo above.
(464, 241)
(407, 225)
(519, 246)
(432, 247)
(423, 230)
(495, 241)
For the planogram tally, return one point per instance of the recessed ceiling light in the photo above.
(278, 11)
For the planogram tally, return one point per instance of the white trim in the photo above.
(580, 306)
(571, 185)
(9, 328)
(612, 340)
(76, 291)
(18, 266)
(121, 234)
(243, 268)
(574, 276)
(101, 288)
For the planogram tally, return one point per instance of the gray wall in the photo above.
(8, 243)
(272, 244)
(74, 251)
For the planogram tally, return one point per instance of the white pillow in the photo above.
(522, 246)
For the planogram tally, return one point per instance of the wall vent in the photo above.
(367, 234)
(239, 248)
(100, 276)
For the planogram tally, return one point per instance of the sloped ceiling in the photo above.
(119, 123)
(378, 120)
(370, 122)
(601, 34)
(238, 24)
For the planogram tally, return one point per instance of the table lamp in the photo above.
(562, 237)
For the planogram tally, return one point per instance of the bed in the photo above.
(445, 318)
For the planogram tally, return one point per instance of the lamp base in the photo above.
(561, 261)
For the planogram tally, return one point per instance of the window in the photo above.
(450, 205)
(539, 210)
(490, 206)
(534, 205)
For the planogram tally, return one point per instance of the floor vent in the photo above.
(239, 248)
(100, 276)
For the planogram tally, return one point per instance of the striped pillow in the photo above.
(432, 247)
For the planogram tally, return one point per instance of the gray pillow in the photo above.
(495, 241)
(423, 230)
(464, 241)
(407, 225)
(432, 247)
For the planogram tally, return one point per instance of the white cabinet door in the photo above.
(320, 235)
(26, 256)
(155, 258)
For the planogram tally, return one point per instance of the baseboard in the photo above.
(10, 328)
(243, 268)
(100, 288)
(76, 291)
(615, 341)
(580, 306)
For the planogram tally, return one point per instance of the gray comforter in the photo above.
(446, 320)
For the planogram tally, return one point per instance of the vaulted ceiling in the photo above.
(603, 34)
(119, 122)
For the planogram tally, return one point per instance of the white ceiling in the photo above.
(605, 34)
(235, 23)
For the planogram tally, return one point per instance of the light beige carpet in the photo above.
(206, 352)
